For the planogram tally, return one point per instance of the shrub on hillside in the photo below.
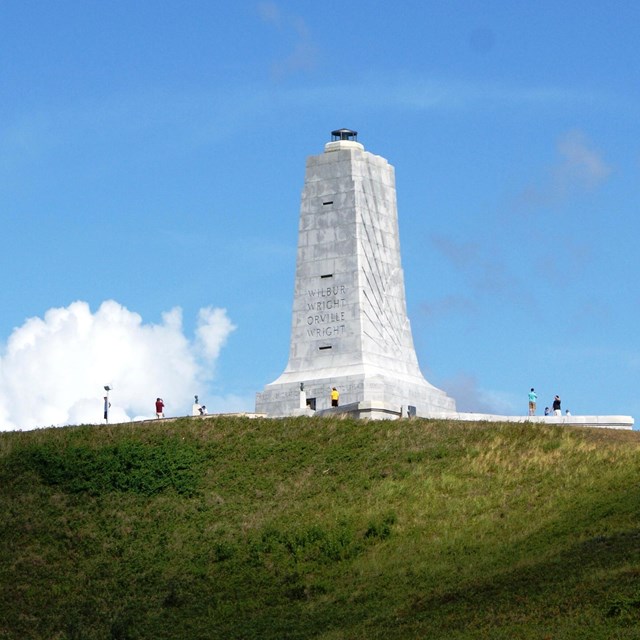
(145, 469)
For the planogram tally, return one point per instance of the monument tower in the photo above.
(350, 328)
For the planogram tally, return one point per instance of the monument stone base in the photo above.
(374, 395)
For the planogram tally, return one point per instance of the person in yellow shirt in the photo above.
(334, 397)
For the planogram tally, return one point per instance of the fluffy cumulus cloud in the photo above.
(53, 369)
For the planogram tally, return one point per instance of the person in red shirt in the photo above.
(159, 408)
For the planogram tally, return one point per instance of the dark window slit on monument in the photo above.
(324, 204)
(323, 348)
(327, 275)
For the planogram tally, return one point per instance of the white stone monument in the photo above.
(350, 328)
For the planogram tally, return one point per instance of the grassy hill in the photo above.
(319, 528)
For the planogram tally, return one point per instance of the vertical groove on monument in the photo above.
(350, 327)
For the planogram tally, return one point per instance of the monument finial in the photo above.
(344, 134)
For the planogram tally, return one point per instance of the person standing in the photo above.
(533, 398)
(159, 408)
(335, 396)
(556, 406)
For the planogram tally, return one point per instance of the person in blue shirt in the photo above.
(533, 398)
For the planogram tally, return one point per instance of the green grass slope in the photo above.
(313, 528)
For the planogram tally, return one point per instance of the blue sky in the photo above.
(152, 158)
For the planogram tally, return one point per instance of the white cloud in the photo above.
(581, 164)
(578, 169)
(294, 29)
(212, 331)
(53, 369)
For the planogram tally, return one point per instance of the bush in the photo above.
(145, 469)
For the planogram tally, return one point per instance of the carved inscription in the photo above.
(325, 316)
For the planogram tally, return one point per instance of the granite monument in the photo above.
(350, 328)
